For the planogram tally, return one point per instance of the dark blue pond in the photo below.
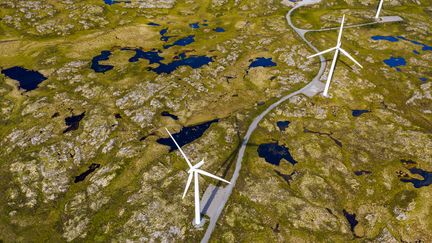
(273, 153)
(73, 122)
(180, 60)
(283, 125)
(28, 79)
(424, 46)
(191, 61)
(186, 135)
(194, 25)
(351, 218)
(357, 113)
(102, 57)
(262, 62)
(416, 52)
(166, 113)
(395, 39)
(387, 38)
(109, 2)
(426, 181)
(423, 79)
(163, 33)
(219, 29)
(182, 42)
(153, 24)
(151, 56)
(395, 62)
(90, 170)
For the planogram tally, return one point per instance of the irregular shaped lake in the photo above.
(262, 62)
(283, 125)
(395, 62)
(424, 46)
(151, 56)
(396, 39)
(351, 219)
(73, 122)
(426, 181)
(180, 60)
(163, 33)
(182, 42)
(186, 135)
(273, 153)
(191, 61)
(28, 79)
(99, 68)
(387, 38)
(90, 170)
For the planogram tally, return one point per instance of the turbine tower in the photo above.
(194, 173)
(379, 9)
(337, 49)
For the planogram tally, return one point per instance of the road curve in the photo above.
(315, 82)
(312, 88)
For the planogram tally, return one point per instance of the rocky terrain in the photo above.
(358, 154)
(79, 157)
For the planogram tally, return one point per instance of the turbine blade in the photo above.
(181, 151)
(199, 164)
(350, 57)
(189, 180)
(211, 175)
(323, 52)
(341, 29)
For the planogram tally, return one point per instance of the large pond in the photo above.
(186, 135)
(99, 68)
(27, 79)
(418, 183)
(73, 122)
(262, 62)
(273, 153)
(182, 42)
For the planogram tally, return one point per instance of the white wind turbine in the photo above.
(194, 172)
(337, 48)
(379, 9)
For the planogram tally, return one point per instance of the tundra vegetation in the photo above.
(79, 157)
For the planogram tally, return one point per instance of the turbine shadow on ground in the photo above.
(227, 164)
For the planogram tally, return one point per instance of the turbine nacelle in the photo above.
(196, 166)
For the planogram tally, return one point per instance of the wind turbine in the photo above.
(379, 9)
(194, 173)
(337, 49)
